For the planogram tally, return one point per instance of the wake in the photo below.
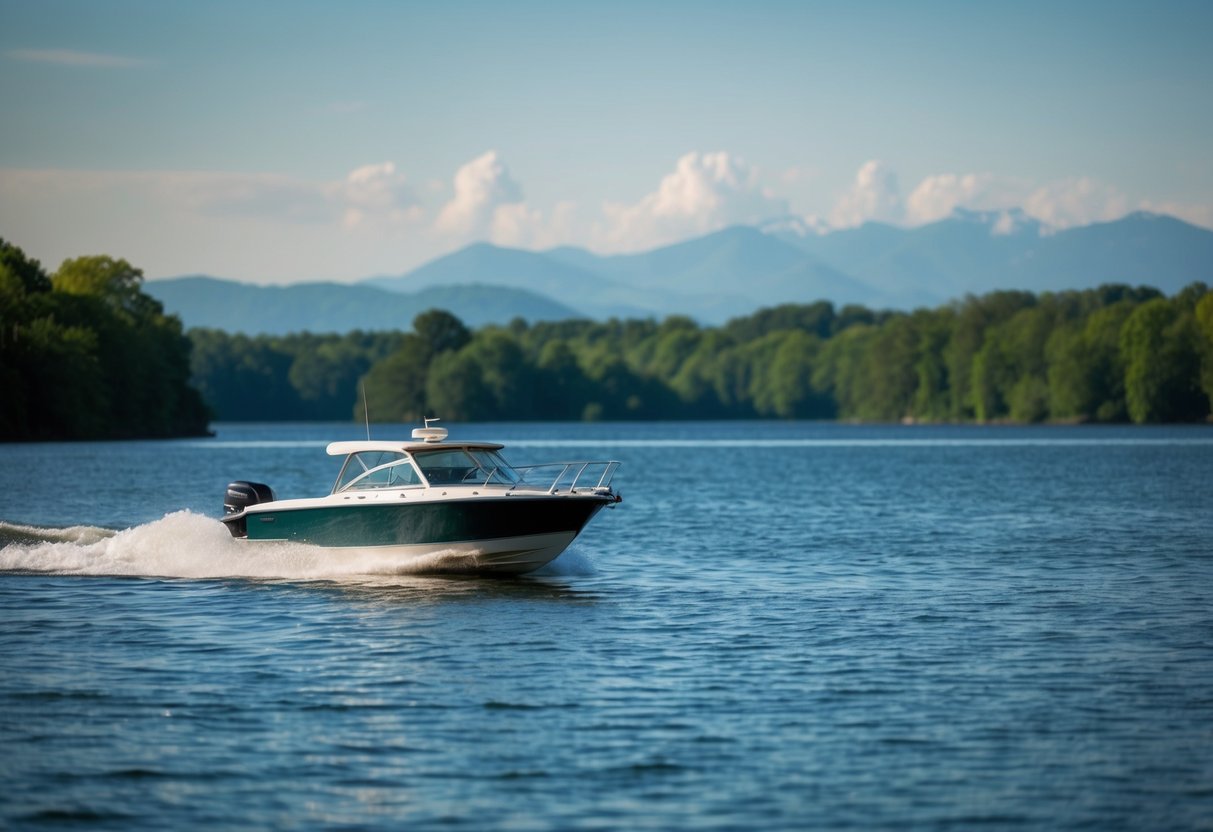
(189, 545)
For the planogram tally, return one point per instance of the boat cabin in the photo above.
(370, 465)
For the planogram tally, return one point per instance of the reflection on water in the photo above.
(417, 589)
(782, 627)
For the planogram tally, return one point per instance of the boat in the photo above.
(431, 505)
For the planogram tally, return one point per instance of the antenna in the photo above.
(366, 413)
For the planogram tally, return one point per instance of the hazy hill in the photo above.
(1141, 248)
(976, 252)
(740, 263)
(563, 282)
(334, 307)
(737, 270)
(713, 278)
(725, 274)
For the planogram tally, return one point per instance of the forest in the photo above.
(85, 353)
(1112, 354)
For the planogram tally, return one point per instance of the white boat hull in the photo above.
(500, 556)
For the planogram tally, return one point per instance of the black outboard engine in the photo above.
(239, 496)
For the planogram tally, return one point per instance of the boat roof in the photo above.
(403, 446)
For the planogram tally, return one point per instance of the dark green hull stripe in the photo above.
(388, 524)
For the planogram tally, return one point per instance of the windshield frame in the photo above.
(366, 479)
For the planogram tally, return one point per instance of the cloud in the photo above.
(799, 175)
(482, 186)
(873, 196)
(369, 195)
(488, 205)
(1065, 203)
(375, 220)
(377, 193)
(259, 227)
(247, 196)
(1075, 201)
(705, 192)
(69, 57)
(1201, 215)
(938, 196)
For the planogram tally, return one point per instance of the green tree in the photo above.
(1162, 369)
(561, 388)
(441, 331)
(508, 378)
(396, 386)
(932, 394)
(789, 391)
(1203, 314)
(85, 354)
(115, 282)
(455, 389)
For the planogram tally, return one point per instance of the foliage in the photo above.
(1105, 355)
(85, 354)
(308, 377)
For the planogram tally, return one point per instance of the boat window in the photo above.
(501, 472)
(445, 467)
(376, 469)
(464, 467)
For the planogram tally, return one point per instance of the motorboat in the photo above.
(431, 505)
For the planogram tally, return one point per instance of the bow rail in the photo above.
(572, 477)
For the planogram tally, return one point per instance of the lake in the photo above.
(783, 626)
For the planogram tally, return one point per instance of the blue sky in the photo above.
(274, 142)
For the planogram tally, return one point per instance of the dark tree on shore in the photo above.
(85, 354)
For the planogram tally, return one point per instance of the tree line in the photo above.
(85, 354)
(1112, 354)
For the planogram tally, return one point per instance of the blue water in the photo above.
(784, 626)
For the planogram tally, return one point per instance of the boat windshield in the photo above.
(465, 466)
(376, 469)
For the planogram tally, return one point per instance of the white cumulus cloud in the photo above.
(705, 192)
(488, 204)
(482, 187)
(873, 196)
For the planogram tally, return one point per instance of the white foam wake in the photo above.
(189, 545)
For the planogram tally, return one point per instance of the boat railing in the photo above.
(571, 477)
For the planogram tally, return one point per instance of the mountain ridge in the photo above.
(210, 302)
(737, 270)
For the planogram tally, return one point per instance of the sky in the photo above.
(277, 142)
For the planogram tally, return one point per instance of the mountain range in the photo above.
(202, 301)
(724, 274)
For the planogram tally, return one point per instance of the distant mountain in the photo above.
(739, 263)
(334, 307)
(1153, 249)
(712, 278)
(488, 264)
(976, 252)
(726, 274)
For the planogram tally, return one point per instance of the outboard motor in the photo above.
(239, 496)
